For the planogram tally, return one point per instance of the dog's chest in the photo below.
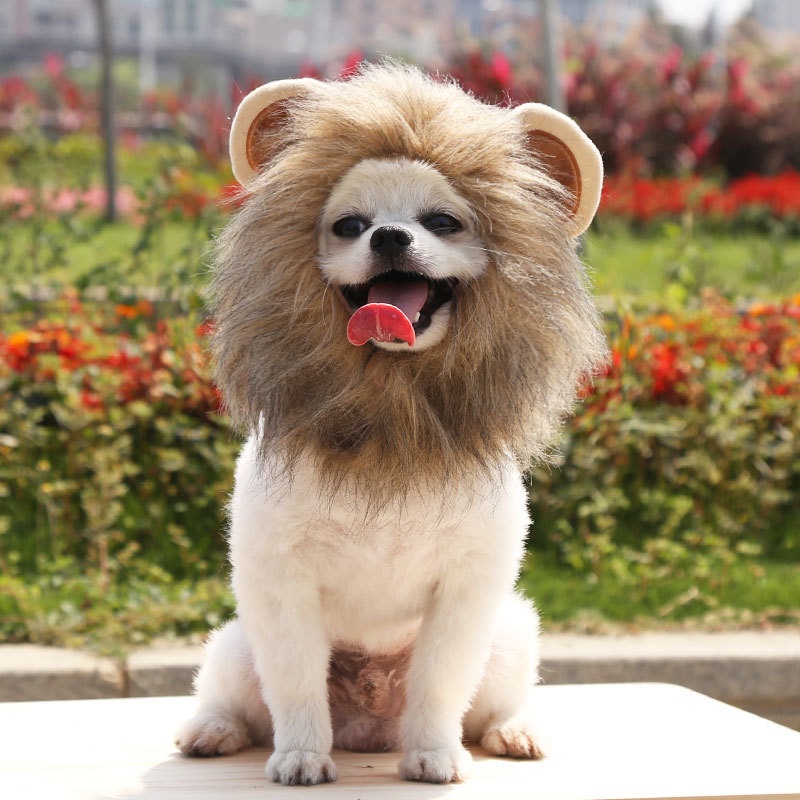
(381, 576)
(374, 575)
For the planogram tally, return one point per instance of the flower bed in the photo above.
(111, 444)
(685, 455)
(754, 201)
(168, 182)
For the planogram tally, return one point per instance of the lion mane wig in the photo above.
(522, 336)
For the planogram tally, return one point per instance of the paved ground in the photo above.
(757, 671)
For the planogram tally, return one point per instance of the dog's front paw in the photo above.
(515, 739)
(211, 733)
(300, 767)
(445, 765)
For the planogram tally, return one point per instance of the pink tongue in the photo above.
(389, 313)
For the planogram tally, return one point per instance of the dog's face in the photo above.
(396, 237)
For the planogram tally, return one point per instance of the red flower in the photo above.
(142, 308)
(205, 328)
(91, 400)
(231, 195)
(351, 64)
(643, 200)
(668, 372)
(502, 71)
(670, 64)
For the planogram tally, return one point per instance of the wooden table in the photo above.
(607, 741)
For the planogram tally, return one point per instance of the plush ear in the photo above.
(568, 155)
(262, 110)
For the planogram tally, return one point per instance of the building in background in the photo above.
(174, 41)
(780, 17)
(192, 41)
(206, 45)
(612, 21)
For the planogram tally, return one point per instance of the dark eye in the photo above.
(441, 224)
(350, 227)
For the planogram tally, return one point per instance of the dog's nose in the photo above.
(390, 242)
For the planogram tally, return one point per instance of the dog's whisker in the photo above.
(323, 303)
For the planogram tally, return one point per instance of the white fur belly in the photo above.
(374, 578)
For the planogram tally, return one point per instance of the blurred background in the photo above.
(674, 501)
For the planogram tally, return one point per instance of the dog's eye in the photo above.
(441, 224)
(350, 227)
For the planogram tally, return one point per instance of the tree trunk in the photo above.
(551, 18)
(107, 107)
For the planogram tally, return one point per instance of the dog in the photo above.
(401, 325)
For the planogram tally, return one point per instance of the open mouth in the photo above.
(395, 306)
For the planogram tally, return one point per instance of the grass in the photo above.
(66, 604)
(171, 254)
(757, 593)
(649, 265)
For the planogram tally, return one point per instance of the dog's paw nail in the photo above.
(446, 765)
(304, 767)
(516, 740)
(210, 734)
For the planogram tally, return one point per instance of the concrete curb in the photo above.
(757, 671)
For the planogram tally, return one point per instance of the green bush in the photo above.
(682, 457)
(111, 447)
(685, 457)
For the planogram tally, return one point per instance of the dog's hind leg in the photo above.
(231, 713)
(502, 716)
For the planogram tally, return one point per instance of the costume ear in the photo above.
(261, 111)
(569, 156)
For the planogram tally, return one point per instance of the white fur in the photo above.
(308, 577)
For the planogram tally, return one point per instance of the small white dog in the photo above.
(401, 320)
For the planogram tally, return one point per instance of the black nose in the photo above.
(390, 242)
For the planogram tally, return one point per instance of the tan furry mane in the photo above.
(521, 338)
